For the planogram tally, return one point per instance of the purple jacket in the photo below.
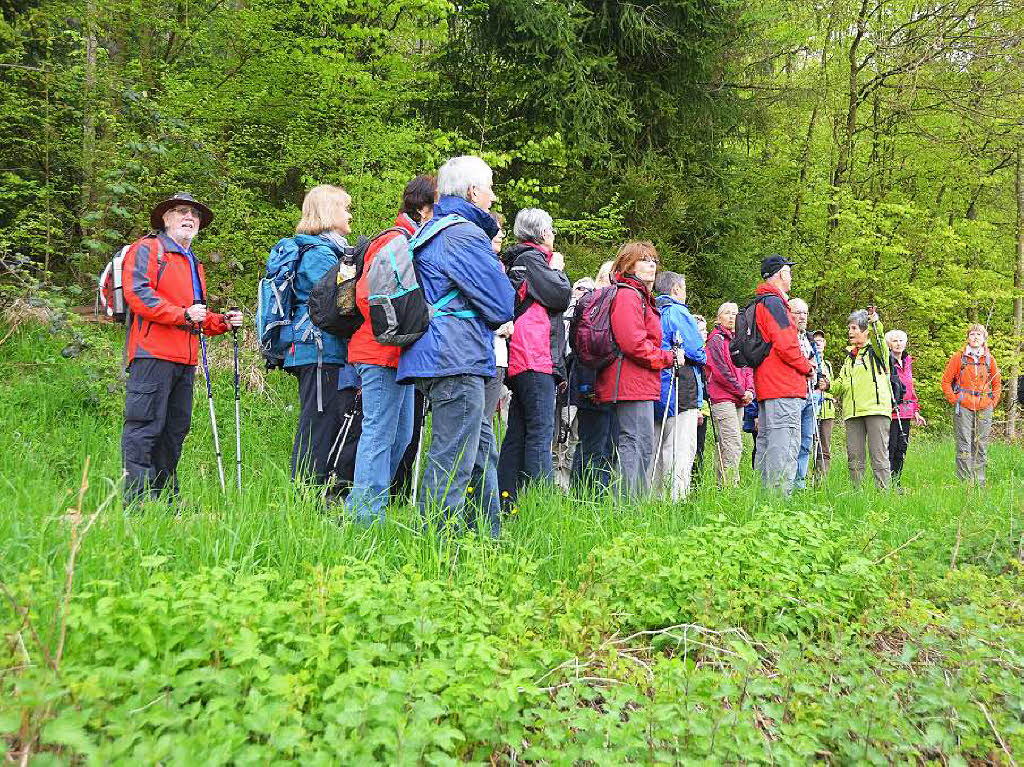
(905, 369)
(726, 382)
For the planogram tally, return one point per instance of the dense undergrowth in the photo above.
(251, 628)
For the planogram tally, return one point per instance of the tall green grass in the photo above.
(60, 412)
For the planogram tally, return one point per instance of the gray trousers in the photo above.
(635, 446)
(873, 430)
(778, 441)
(972, 430)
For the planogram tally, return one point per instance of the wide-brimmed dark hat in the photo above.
(156, 216)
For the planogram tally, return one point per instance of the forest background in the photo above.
(876, 142)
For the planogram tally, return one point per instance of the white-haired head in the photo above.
(895, 335)
(728, 306)
(460, 174)
(533, 225)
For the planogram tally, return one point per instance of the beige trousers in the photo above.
(728, 422)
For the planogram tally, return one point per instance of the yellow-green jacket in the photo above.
(863, 380)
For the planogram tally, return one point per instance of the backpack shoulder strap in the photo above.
(434, 227)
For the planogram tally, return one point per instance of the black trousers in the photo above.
(698, 458)
(157, 417)
(899, 440)
(317, 431)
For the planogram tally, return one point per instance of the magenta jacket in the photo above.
(905, 369)
(726, 382)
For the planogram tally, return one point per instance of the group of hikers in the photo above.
(614, 381)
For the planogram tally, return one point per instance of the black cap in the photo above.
(772, 264)
(156, 216)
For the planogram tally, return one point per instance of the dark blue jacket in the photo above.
(315, 263)
(459, 258)
(679, 329)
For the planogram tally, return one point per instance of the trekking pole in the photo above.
(342, 437)
(238, 412)
(419, 453)
(661, 432)
(213, 416)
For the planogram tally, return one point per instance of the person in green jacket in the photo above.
(866, 393)
(825, 404)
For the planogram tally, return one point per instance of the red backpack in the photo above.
(590, 333)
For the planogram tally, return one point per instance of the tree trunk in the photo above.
(88, 118)
(1018, 301)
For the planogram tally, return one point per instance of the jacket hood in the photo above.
(663, 302)
(631, 280)
(511, 253)
(450, 204)
(765, 289)
(403, 221)
(335, 242)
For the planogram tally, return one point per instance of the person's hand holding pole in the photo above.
(196, 314)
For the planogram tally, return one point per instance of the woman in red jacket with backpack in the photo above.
(632, 383)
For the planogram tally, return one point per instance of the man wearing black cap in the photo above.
(165, 289)
(781, 379)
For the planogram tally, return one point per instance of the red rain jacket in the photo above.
(363, 347)
(157, 283)
(636, 326)
(785, 370)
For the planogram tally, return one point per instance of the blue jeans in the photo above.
(803, 460)
(459, 442)
(485, 473)
(387, 429)
(526, 451)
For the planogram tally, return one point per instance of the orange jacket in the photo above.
(157, 282)
(972, 383)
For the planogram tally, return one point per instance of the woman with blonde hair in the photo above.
(315, 357)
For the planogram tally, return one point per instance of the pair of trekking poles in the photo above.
(213, 415)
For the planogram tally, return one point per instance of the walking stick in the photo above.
(213, 416)
(661, 432)
(419, 454)
(238, 413)
(342, 437)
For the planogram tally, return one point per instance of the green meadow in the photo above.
(256, 627)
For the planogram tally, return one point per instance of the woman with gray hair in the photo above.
(908, 411)
(863, 383)
(536, 352)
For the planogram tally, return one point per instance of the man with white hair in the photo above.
(471, 298)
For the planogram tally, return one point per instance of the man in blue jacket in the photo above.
(674, 462)
(451, 362)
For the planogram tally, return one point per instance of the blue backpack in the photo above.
(275, 302)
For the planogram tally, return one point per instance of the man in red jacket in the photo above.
(781, 379)
(165, 289)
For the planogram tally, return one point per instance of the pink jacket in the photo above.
(726, 382)
(905, 369)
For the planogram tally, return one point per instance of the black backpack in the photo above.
(332, 302)
(748, 348)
